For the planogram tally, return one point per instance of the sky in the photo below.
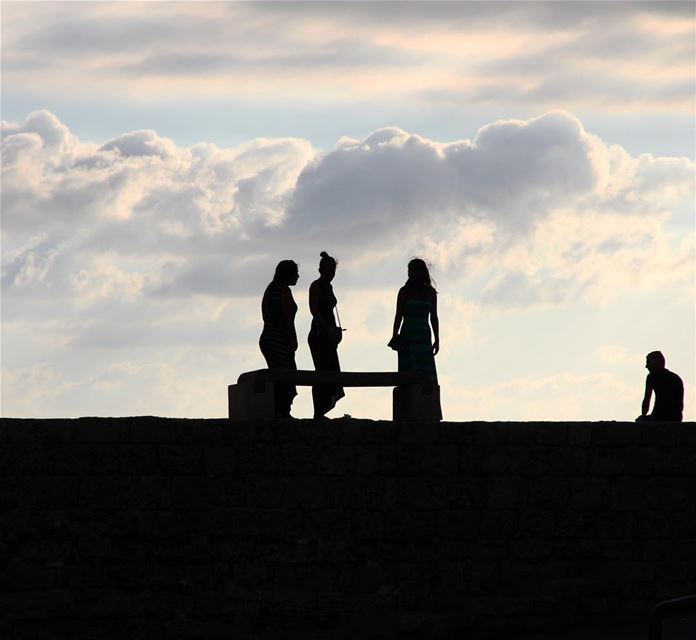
(159, 159)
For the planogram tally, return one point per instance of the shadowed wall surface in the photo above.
(167, 528)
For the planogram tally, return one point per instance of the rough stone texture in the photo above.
(159, 528)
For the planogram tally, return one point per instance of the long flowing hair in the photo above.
(421, 274)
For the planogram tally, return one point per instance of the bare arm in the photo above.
(399, 315)
(435, 322)
(315, 311)
(645, 407)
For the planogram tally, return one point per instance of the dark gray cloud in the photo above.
(551, 13)
(512, 173)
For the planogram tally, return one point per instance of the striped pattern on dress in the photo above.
(418, 354)
(276, 342)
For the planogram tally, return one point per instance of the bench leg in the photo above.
(245, 403)
(411, 402)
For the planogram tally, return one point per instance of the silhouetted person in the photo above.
(324, 336)
(668, 388)
(278, 339)
(416, 303)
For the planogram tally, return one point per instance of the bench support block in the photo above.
(246, 403)
(414, 402)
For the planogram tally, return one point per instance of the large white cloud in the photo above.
(164, 220)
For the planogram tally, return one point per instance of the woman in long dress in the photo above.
(324, 336)
(416, 312)
(278, 341)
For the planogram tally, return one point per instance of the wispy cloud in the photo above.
(600, 54)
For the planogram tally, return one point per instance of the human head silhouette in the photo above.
(327, 266)
(418, 274)
(287, 273)
(654, 361)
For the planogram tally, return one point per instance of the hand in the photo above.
(436, 347)
(339, 335)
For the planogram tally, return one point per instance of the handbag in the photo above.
(398, 343)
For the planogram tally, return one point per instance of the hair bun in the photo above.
(323, 254)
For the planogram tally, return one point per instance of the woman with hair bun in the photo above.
(278, 341)
(324, 336)
(416, 311)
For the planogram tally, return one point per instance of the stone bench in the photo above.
(414, 397)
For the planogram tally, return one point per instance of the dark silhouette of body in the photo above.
(324, 335)
(416, 312)
(278, 341)
(668, 388)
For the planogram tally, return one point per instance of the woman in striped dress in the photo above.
(278, 339)
(416, 304)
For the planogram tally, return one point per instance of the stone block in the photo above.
(106, 459)
(516, 433)
(327, 524)
(415, 493)
(499, 524)
(507, 492)
(607, 461)
(299, 458)
(629, 494)
(615, 434)
(180, 459)
(679, 461)
(458, 524)
(231, 522)
(36, 605)
(351, 492)
(384, 456)
(658, 435)
(579, 435)
(107, 492)
(155, 492)
(305, 492)
(220, 460)
(590, 493)
(643, 461)
(104, 603)
(484, 460)
(536, 523)
(439, 460)
(266, 491)
(262, 459)
(137, 459)
(548, 492)
(654, 525)
(315, 577)
(530, 462)
(26, 576)
(340, 460)
(52, 492)
(101, 429)
(416, 432)
(572, 461)
(552, 434)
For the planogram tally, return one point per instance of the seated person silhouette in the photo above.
(668, 388)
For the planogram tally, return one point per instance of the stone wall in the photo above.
(157, 528)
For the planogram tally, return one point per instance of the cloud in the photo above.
(543, 53)
(137, 250)
(201, 220)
